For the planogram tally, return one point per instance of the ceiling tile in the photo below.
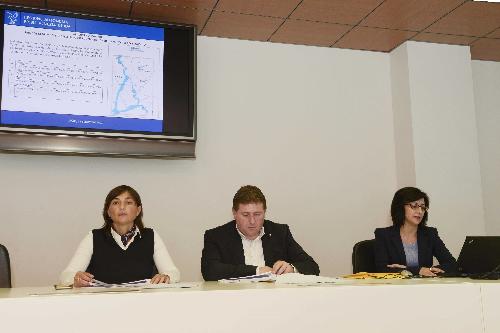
(471, 19)
(195, 4)
(108, 7)
(409, 14)
(27, 3)
(170, 14)
(443, 39)
(494, 34)
(335, 11)
(241, 26)
(373, 39)
(275, 8)
(486, 49)
(309, 33)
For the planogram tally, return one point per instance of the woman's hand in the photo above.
(160, 278)
(82, 279)
(430, 271)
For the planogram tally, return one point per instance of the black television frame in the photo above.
(109, 143)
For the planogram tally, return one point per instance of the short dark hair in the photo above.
(108, 222)
(402, 197)
(248, 194)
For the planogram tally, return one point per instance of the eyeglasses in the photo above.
(416, 206)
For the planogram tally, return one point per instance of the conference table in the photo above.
(372, 305)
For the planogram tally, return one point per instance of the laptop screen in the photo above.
(479, 254)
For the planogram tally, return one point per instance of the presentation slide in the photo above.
(74, 73)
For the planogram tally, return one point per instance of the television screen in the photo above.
(84, 76)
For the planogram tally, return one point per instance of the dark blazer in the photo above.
(389, 250)
(222, 256)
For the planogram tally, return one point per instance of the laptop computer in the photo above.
(479, 256)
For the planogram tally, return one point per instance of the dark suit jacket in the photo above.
(389, 250)
(222, 256)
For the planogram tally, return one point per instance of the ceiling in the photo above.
(374, 25)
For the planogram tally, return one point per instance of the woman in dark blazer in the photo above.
(409, 244)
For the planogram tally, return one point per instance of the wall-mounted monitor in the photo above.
(80, 84)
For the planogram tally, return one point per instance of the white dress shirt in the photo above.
(83, 254)
(253, 251)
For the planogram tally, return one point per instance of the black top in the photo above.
(223, 255)
(111, 264)
(389, 250)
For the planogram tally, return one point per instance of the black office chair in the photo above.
(363, 256)
(4, 268)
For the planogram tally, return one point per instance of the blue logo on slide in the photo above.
(11, 18)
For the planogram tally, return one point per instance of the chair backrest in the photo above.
(363, 256)
(4, 268)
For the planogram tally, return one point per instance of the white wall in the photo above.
(403, 122)
(313, 127)
(486, 76)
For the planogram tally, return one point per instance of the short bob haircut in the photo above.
(405, 196)
(248, 194)
(119, 190)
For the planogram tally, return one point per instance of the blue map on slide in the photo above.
(132, 87)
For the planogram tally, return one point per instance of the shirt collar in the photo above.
(117, 237)
(261, 233)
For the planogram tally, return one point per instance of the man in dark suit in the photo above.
(251, 245)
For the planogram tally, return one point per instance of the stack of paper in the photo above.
(289, 278)
(385, 276)
(178, 285)
(297, 278)
(266, 277)
(136, 284)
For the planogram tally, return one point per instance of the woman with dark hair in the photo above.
(123, 250)
(409, 244)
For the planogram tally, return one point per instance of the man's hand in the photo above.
(282, 267)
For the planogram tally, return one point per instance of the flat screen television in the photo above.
(81, 84)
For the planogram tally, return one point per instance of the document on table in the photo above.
(133, 284)
(97, 285)
(178, 285)
(266, 277)
(289, 278)
(297, 278)
(145, 284)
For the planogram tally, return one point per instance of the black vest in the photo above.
(111, 264)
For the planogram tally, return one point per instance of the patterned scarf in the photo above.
(128, 235)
